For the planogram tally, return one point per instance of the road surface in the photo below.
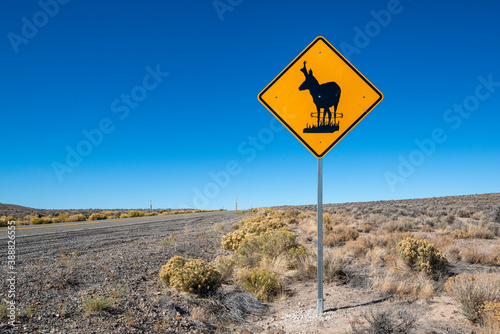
(49, 239)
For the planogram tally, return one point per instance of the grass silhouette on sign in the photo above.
(324, 96)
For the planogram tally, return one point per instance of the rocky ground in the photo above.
(54, 284)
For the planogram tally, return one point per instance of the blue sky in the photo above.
(113, 104)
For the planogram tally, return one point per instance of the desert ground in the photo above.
(409, 266)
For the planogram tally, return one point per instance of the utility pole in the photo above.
(236, 204)
(150, 206)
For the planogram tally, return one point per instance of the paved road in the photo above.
(94, 235)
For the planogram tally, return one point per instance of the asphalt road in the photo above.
(49, 239)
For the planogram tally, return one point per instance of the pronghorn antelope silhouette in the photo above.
(324, 96)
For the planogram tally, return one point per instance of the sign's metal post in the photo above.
(320, 235)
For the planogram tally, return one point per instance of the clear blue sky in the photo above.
(167, 92)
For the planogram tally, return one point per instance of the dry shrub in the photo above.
(442, 242)
(453, 253)
(340, 234)
(198, 313)
(309, 226)
(388, 240)
(375, 220)
(400, 280)
(386, 320)
(401, 225)
(279, 265)
(262, 283)
(358, 247)
(426, 229)
(460, 234)
(375, 257)
(477, 215)
(307, 267)
(478, 232)
(335, 262)
(471, 291)
(233, 307)
(365, 228)
(493, 257)
(224, 264)
(472, 255)
(190, 275)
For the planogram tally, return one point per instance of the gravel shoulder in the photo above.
(56, 273)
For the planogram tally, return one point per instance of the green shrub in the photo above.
(97, 216)
(233, 240)
(134, 213)
(77, 218)
(423, 256)
(36, 221)
(4, 221)
(262, 283)
(190, 275)
(274, 243)
(271, 245)
(251, 226)
(96, 303)
(64, 217)
(111, 214)
(173, 265)
(124, 215)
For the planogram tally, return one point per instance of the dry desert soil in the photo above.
(59, 273)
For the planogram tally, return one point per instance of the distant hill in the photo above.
(463, 206)
(18, 211)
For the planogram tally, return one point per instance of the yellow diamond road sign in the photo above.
(320, 97)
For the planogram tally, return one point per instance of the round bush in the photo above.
(97, 216)
(191, 275)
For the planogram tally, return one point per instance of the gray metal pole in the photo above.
(320, 236)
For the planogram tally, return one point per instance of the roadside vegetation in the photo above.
(409, 253)
(76, 216)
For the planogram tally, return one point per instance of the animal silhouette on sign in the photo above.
(324, 96)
